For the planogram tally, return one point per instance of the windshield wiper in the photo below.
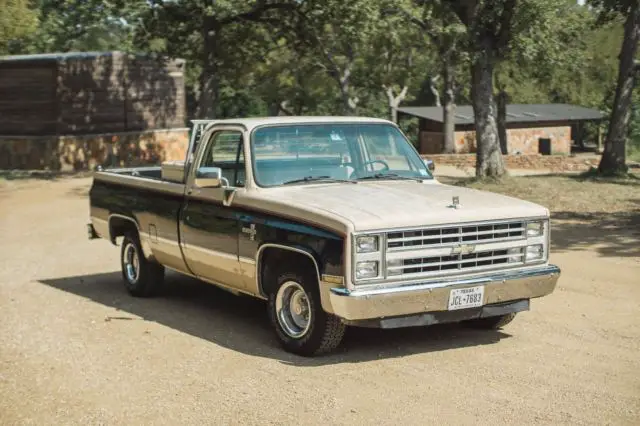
(317, 179)
(393, 176)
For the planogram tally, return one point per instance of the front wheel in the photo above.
(296, 313)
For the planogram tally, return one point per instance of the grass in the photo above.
(584, 193)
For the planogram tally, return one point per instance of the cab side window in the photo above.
(225, 150)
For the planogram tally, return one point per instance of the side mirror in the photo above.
(209, 177)
(430, 165)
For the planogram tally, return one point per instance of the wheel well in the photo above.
(118, 226)
(274, 260)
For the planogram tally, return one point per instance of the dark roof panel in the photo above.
(516, 113)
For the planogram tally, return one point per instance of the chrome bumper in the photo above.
(434, 296)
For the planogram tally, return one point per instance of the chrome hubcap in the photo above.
(293, 309)
(131, 262)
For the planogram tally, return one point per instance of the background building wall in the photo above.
(89, 93)
(519, 140)
(78, 152)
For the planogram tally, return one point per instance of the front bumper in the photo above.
(433, 296)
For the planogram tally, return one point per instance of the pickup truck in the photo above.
(334, 221)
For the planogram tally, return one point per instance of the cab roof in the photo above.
(253, 122)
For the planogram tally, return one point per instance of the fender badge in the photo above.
(455, 203)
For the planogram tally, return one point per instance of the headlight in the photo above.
(515, 255)
(367, 269)
(534, 253)
(366, 244)
(535, 229)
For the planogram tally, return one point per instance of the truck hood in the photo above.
(398, 204)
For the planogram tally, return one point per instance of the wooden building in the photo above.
(79, 93)
(531, 128)
(46, 98)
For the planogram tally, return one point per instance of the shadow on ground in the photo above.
(240, 323)
(609, 234)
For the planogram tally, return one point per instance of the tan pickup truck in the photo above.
(335, 221)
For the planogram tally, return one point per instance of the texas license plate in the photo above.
(462, 298)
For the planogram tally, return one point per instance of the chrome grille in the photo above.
(431, 237)
(450, 263)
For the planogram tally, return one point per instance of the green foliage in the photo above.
(291, 56)
(17, 20)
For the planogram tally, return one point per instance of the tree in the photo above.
(17, 20)
(443, 29)
(493, 28)
(82, 25)
(199, 31)
(537, 51)
(397, 59)
(489, 26)
(336, 33)
(613, 159)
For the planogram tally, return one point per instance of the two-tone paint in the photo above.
(196, 234)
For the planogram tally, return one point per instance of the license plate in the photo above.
(462, 298)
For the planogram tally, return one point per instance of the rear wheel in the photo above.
(491, 323)
(142, 278)
(300, 323)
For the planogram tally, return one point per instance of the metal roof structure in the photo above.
(516, 113)
(62, 56)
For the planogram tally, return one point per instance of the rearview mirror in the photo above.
(209, 177)
(430, 164)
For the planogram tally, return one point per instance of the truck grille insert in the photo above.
(483, 233)
(455, 262)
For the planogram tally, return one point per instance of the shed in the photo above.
(89, 92)
(531, 128)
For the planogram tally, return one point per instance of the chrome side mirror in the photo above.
(210, 177)
(430, 164)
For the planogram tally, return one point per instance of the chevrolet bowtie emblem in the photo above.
(463, 249)
(455, 203)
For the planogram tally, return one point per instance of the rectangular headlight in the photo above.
(534, 252)
(535, 229)
(367, 269)
(366, 243)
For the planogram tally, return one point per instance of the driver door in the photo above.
(209, 229)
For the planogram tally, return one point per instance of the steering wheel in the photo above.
(384, 163)
(355, 174)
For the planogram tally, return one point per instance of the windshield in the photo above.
(333, 152)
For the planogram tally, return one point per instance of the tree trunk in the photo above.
(434, 90)
(449, 109)
(489, 159)
(614, 156)
(209, 82)
(394, 101)
(502, 120)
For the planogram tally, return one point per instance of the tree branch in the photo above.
(424, 25)
(255, 14)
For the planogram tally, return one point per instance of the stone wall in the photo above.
(86, 152)
(554, 163)
(519, 141)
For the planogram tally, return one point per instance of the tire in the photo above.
(491, 323)
(320, 333)
(141, 277)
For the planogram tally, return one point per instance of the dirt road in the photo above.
(76, 349)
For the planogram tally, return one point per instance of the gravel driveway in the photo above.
(76, 349)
